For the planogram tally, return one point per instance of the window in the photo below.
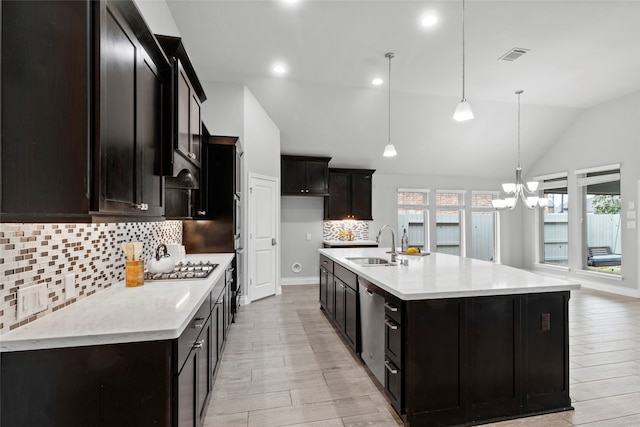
(413, 216)
(483, 229)
(449, 222)
(601, 218)
(554, 227)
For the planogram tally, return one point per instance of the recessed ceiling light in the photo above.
(429, 20)
(279, 69)
(377, 82)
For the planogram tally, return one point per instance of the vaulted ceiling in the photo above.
(580, 54)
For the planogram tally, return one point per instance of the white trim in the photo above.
(551, 176)
(598, 169)
(612, 289)
(452, 191)
(492, 192)
(547, 185)
(293, 281)
(598, 179)
(600, 275)
(551, 267)
(413, 190)
(244, 300)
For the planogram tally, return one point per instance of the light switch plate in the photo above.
(31, 300)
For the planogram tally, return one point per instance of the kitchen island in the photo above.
(125, 356)
(465, 341)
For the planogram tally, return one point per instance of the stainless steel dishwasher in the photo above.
(372, 327)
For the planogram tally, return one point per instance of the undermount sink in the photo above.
(370, 261)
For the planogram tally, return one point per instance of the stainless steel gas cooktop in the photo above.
(184, 271)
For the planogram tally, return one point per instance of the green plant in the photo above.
(606, 204)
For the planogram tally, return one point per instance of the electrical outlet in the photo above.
(69, 286)
(31, 300)
(308, 236)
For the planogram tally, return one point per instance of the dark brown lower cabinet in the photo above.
(108, 385)
(469, 360)
(160, 383)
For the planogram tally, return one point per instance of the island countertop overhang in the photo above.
(439, 276)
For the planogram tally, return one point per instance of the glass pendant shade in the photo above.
(509, 187)
(532, 185)
(389, 151)
(463, 111)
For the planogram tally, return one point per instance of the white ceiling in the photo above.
(582, 53)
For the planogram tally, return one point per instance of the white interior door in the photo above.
(263, 229)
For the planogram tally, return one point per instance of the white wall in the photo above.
(301, 216)
(158, 17)
(606, 134)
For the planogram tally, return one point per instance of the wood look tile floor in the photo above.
(284, 365)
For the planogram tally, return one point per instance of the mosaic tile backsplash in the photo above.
(44, 253)
(331, 229)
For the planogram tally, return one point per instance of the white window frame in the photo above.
(424, 207)
(461, 209)
(548, 181)
(582, 181)
(496, 218)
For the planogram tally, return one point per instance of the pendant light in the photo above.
(519, 190)
(463, 109)
(389, 149)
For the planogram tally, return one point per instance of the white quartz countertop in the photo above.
(437, 276)
(157, 310)
(350, 242)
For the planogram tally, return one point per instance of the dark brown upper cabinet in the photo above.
(349, 194)
(82, 119)
(130, 88)
(304, 176)
(183, 150)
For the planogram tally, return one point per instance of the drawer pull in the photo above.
(192, 156)
(198, 344)
(387, 365)
(198, 325)
(390, 307)
(390, 324)
(370, 293)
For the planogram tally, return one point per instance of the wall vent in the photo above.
(513, 54)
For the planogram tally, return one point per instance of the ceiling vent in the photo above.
(513, 54)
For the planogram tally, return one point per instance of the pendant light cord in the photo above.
(463, 62)
(389, 55)
(518, 92)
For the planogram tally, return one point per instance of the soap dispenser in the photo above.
(404, 241)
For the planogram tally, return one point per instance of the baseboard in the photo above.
(618, 290)
(290, 281)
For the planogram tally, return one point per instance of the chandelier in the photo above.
(519, 190)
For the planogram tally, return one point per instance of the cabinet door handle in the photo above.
(198, 344)
(202, 213)
(387, 365)
(306, 191)
(390, 324)
(302, 191)
(192, 156)
(198, 325)
(141, 206)
(390, 307)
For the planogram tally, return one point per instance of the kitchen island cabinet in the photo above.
(126, 357)
(468, 341)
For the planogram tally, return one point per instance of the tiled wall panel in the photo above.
(331, 229)
(45, 253)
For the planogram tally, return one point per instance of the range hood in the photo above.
(184, 180)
